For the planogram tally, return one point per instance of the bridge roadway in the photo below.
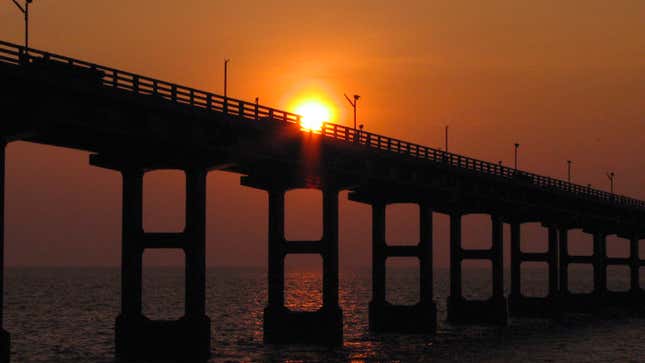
(134, 124)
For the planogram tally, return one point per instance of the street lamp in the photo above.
(517, 146)
(25, 11)
(611, 177)
(356, 98)
(446, 141)
(226, 77)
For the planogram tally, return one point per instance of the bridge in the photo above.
(134, 124)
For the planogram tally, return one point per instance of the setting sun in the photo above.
(314, 113)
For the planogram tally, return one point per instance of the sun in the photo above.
(314, 113)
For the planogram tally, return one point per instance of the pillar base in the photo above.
(493, 311)
(186, 339)
(627, 299)
(534, 307)
(322, 327)
(594, 303)
(583, 303)
(415, 319)
(5, 346)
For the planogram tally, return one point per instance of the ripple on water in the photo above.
(67, 315)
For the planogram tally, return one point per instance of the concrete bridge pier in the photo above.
(569, 301)
(635, 264)
(282, 325)
(563, 264)
(520, 305)
(633, 297)
(386, 317)
(460, 310)
(5, 341)
(600, 264)
(137, 337)
(584, 302)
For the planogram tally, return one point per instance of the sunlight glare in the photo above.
(314, 113)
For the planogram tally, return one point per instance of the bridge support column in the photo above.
(633, 297)
(584, 302)
(599, 264)
(460, 310)
(5, 341)
(383, 316)
(563, 263)
(636, 292)
(281, 325)
(137, 337)
(520, 305)
(634, 266)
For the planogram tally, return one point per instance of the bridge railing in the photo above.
(130, 82)
(118, 79)
(448, 159)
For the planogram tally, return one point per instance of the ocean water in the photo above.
(67, 315)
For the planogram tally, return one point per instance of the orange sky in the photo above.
(566, 79)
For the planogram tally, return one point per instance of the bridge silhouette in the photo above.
(134, 124)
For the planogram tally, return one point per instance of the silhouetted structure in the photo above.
(134, 124)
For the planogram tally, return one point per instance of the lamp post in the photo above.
(569, 171)
(25, 11)
(353, 103)
(517, 146)
(611, 177)
(226, 77)
(446, 137)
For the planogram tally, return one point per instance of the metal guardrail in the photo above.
(117, 79)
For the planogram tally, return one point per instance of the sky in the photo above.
(565, 79)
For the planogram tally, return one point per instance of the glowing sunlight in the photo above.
(314, 113)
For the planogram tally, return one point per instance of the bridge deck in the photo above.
(144, 87)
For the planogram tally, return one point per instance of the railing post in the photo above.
(209, 101)
(155, 87)
(257, 111)
(135, 84)
(115, 78)
(173, 93)
(241, 109)
(192, 97)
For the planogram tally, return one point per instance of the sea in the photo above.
(67, 315)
